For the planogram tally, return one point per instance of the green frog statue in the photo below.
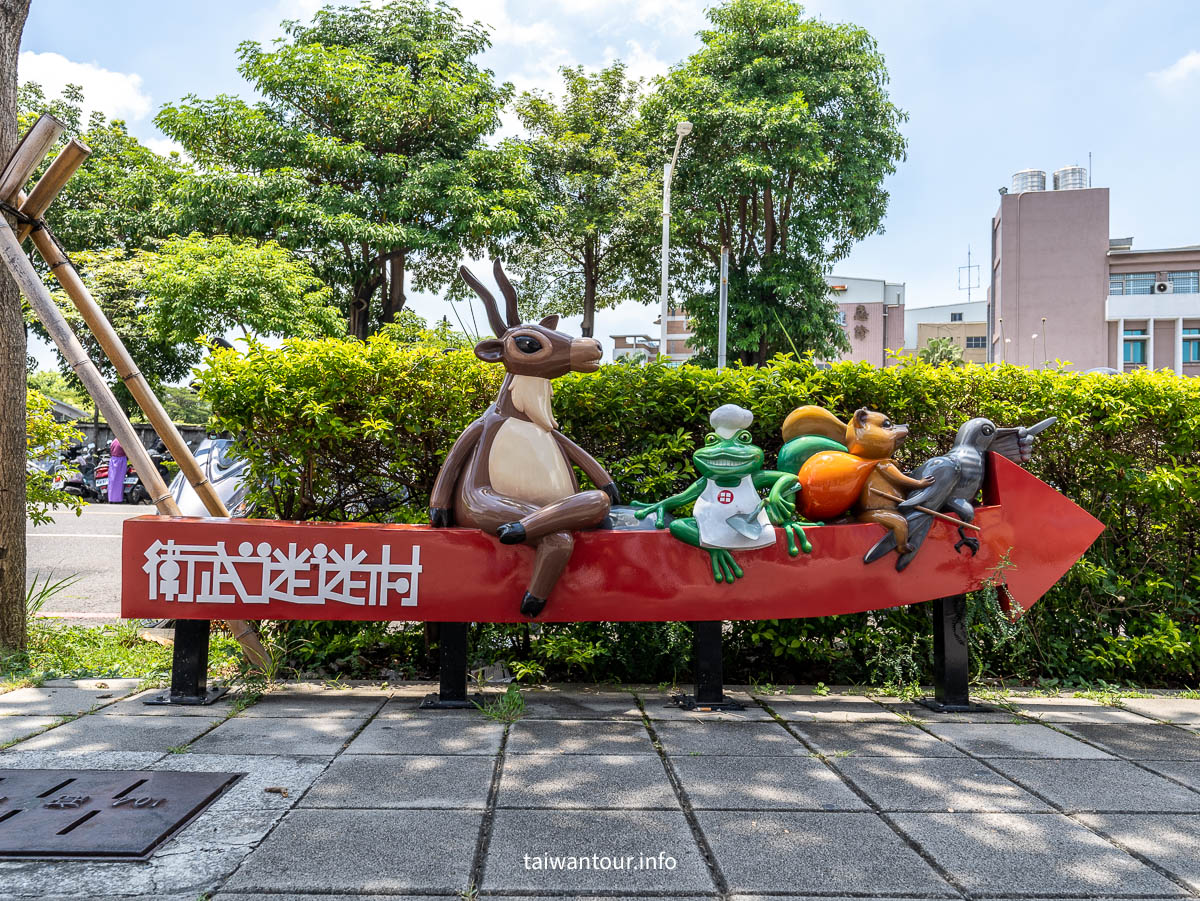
(729, 514)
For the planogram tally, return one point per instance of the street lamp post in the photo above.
(681, 131)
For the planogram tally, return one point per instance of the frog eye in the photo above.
(744, 437)
(712, 438)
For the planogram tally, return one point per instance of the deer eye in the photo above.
(527, 344)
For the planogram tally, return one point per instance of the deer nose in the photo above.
(586, 354)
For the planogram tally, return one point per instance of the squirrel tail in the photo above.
(812, 420)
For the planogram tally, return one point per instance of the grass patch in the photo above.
(101, 652)
(507, 708)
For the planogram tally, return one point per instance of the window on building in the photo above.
(1184, 282)
(1131, 283)
(956, 317)
(1191, 345)
(976, 341)
(1135, 345)
(841, 317)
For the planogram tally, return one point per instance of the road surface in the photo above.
(87, 546)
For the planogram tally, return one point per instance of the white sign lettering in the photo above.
(210, 574)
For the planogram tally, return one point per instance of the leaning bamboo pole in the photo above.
(34, 206)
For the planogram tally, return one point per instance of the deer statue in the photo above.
(510, 473)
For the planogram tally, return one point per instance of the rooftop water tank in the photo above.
(1069, 178)
(1029, 180)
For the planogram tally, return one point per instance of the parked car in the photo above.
(226, 473)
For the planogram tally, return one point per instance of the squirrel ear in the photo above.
(860, 415)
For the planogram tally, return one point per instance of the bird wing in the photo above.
(945, 472)
(918, 528)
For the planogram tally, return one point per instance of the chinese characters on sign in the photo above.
(260, 574)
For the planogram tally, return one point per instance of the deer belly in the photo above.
(527, 464)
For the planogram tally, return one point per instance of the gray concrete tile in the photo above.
(1012, 740)
(660, 707)
(763, 783)
(1074, 710)
(1169, 840)
(1183, 711)
(14, 728)
(520, 839)
(579, 737)
(64, 697)
(921, 713)
(292, 774)
(1149, 742)
(429, 732)
(1186, 771)
(1019, 853)
(815, 852)
(588, 782)
(580, 705)
(832, 709)
(135, 705)
(349, 851)
(1100, 785)
(15, 758)
(299, 736)
(870, 739)
(118, 733)
(323, 702)
(936, 785)
(375, 780)
(738, 739)
(291, 896)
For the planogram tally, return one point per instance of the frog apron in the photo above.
(716, 504)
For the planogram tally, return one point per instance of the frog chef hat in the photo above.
(728, 419)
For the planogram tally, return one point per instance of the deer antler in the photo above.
(489, 302)
(510, 294)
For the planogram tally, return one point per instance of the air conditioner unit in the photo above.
(1163, 287)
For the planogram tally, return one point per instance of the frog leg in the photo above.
(724, 567)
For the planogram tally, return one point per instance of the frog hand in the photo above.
(792, 530)
(643, 510)
(781, 502)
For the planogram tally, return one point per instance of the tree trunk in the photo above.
(589, 291)
(12, 368)
(396, 297)
(358, 322)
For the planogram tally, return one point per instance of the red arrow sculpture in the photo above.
(185, 568)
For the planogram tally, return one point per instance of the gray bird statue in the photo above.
(957, 479)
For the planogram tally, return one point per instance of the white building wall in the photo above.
(975, 311)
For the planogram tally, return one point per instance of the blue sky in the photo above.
(990, 88)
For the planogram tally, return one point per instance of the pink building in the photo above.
(1061, 289)
(871, 311)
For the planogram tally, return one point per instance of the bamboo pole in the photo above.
(29, 153)
(934, 513)
(43, 193)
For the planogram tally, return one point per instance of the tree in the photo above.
(793, 136)
(45, 439)
(597, 196)
(941, 352)
(367, 151)
(12, 368)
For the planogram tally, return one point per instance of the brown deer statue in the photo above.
(510, 473)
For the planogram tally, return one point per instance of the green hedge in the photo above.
(343, 430)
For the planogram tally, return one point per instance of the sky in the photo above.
(989, 89)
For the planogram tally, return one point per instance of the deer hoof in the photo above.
(531, 606)
(511, 533)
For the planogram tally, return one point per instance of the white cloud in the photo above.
(642, 62)
(165, 146)
(118, 95)
(1179, 72)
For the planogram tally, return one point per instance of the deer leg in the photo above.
(553, 552)
(579, 511)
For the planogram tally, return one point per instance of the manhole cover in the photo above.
(98, 813)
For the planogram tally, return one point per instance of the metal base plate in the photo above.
(433, 701)
(99, 814)
(208, 697)
(689, 702)
(938, 707)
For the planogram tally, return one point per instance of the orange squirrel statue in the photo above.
(847, 467)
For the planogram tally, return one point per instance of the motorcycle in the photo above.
(77, 473)
(132, 490)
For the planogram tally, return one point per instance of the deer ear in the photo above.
(550, 322)
(490, 351)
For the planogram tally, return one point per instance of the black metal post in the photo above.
(950, 660)
(452, 666)
(707, 671)
(189, 667)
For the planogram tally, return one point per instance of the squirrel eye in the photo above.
(712, 438)
(887, 423)
(527, 344)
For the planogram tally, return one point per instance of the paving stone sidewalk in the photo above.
(358, 793)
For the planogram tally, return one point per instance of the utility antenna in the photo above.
(968, 276)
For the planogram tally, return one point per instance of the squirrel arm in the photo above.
(892, 473)
(590, 465)
(447, 477)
